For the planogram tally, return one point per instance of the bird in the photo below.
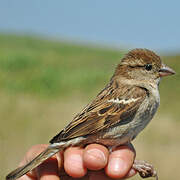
(117, 114)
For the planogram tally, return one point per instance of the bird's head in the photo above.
(142, 64)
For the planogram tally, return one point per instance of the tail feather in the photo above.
(50, 151)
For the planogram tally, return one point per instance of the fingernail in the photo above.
(116, 166)
(76, 159)
(97, 154)
(74, 166)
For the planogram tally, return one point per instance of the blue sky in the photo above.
(153, 24)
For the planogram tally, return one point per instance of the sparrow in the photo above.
(118, 113)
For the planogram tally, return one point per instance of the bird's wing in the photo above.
(111, 106)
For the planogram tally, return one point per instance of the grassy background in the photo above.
(44, 83)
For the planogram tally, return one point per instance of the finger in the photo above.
(25, 177)
(31, 154)
(59, 157)
(73, 162)
(95, 156)
(98, 175)
(131, 173)
(48, 170)
(120, 162)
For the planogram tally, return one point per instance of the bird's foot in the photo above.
(145, 169)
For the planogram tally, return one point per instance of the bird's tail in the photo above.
(47, 153)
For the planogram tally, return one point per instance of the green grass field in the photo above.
(44, 83)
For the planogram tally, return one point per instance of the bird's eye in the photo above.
(148, 67)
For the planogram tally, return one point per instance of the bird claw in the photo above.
(145, 169)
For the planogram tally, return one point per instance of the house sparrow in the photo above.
(117, 114)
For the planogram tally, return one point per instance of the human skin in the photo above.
(85, 163)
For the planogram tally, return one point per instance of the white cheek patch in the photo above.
(123, 101)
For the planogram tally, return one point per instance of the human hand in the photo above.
(78, 162)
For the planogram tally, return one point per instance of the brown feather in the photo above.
(102, 114)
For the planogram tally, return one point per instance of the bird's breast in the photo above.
(144, 115)
(125, 133)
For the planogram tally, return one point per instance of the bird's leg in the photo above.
(144, 169)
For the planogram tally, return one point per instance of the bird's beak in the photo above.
(166, 71)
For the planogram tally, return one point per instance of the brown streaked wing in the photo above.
(102, 114)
